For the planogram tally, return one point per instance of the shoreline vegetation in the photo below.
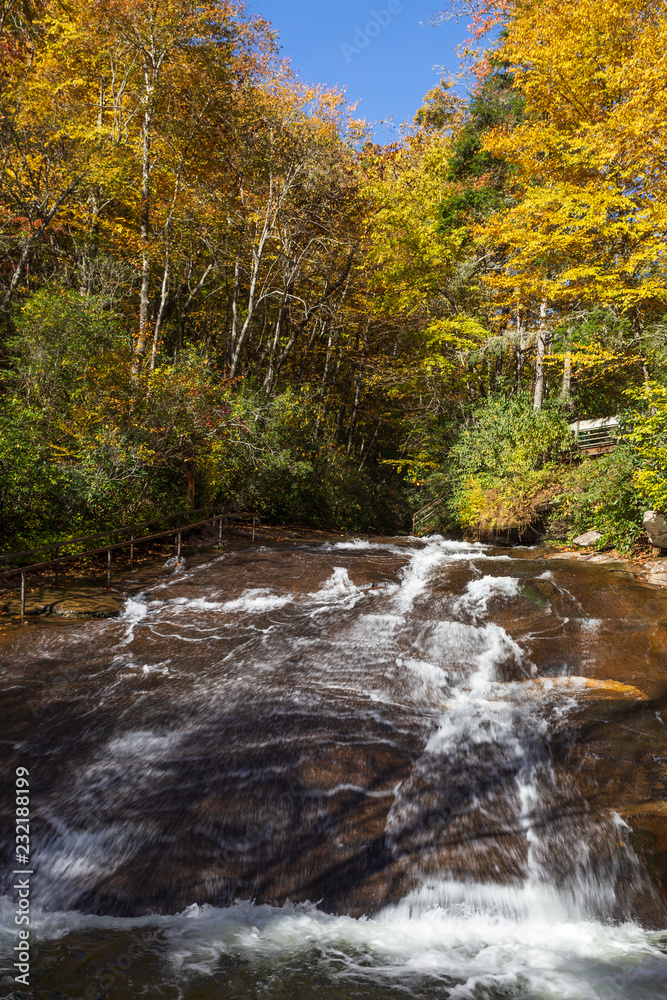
(218, 290)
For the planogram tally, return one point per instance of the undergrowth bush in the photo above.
(601, 494)
(647, 435)
(503, 469)
(508, 472)
(87, 444)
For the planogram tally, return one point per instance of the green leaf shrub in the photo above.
(503, 468)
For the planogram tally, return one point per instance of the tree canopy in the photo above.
(217, 288)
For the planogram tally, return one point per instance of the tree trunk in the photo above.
(541, 353)
(369, 449)
(637, 337)
(160, 313)
(497, 369)
(566, 391)
(339, 422)
(268, 381)
(89, 246)
(322, 413)
(257, 256)
(188, 303)
(355, 411)
(520, 351)
(235, 310)
(35, 235)
(144, 233)
(189, 469)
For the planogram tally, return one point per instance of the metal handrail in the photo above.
(217, 515)
(53, 546)
(422, 515)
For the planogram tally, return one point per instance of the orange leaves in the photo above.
(485, 15)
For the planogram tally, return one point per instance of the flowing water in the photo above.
(393, 769)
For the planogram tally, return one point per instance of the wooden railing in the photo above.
(215, 517)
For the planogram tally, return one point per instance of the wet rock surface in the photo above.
(71, 602)
(349, 723)
(650, 571)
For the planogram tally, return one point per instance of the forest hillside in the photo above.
(216, 289)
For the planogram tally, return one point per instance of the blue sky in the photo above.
(379, 52)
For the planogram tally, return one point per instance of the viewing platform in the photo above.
(596, 437)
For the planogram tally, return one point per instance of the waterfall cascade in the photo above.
(351, 769)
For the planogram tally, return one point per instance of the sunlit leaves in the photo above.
(589, 224)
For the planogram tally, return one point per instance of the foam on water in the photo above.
(74, 856)
(591, 624)
(471, 654)
(428, 674)
(93, 843)
(139, 745)
(339, 588)
(135, 611)
(176, 564)
(354, 545)
(250, 602)
(480, 592)
(470, 941)
(157, 668)
(435, 555)
(423, 562)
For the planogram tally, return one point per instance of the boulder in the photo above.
(656, 528)
(590, 538)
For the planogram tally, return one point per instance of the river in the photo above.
(348, 769)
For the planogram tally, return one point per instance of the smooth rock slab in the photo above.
(657, 572)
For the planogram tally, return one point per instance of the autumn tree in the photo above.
(587, 224)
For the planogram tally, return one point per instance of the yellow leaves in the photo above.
(593, 363)
(408, 258)
(566, 53)
(463, 332)
(446, 341)
(442, 109)
(589, 223)
(61, 452)
(472, 505)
